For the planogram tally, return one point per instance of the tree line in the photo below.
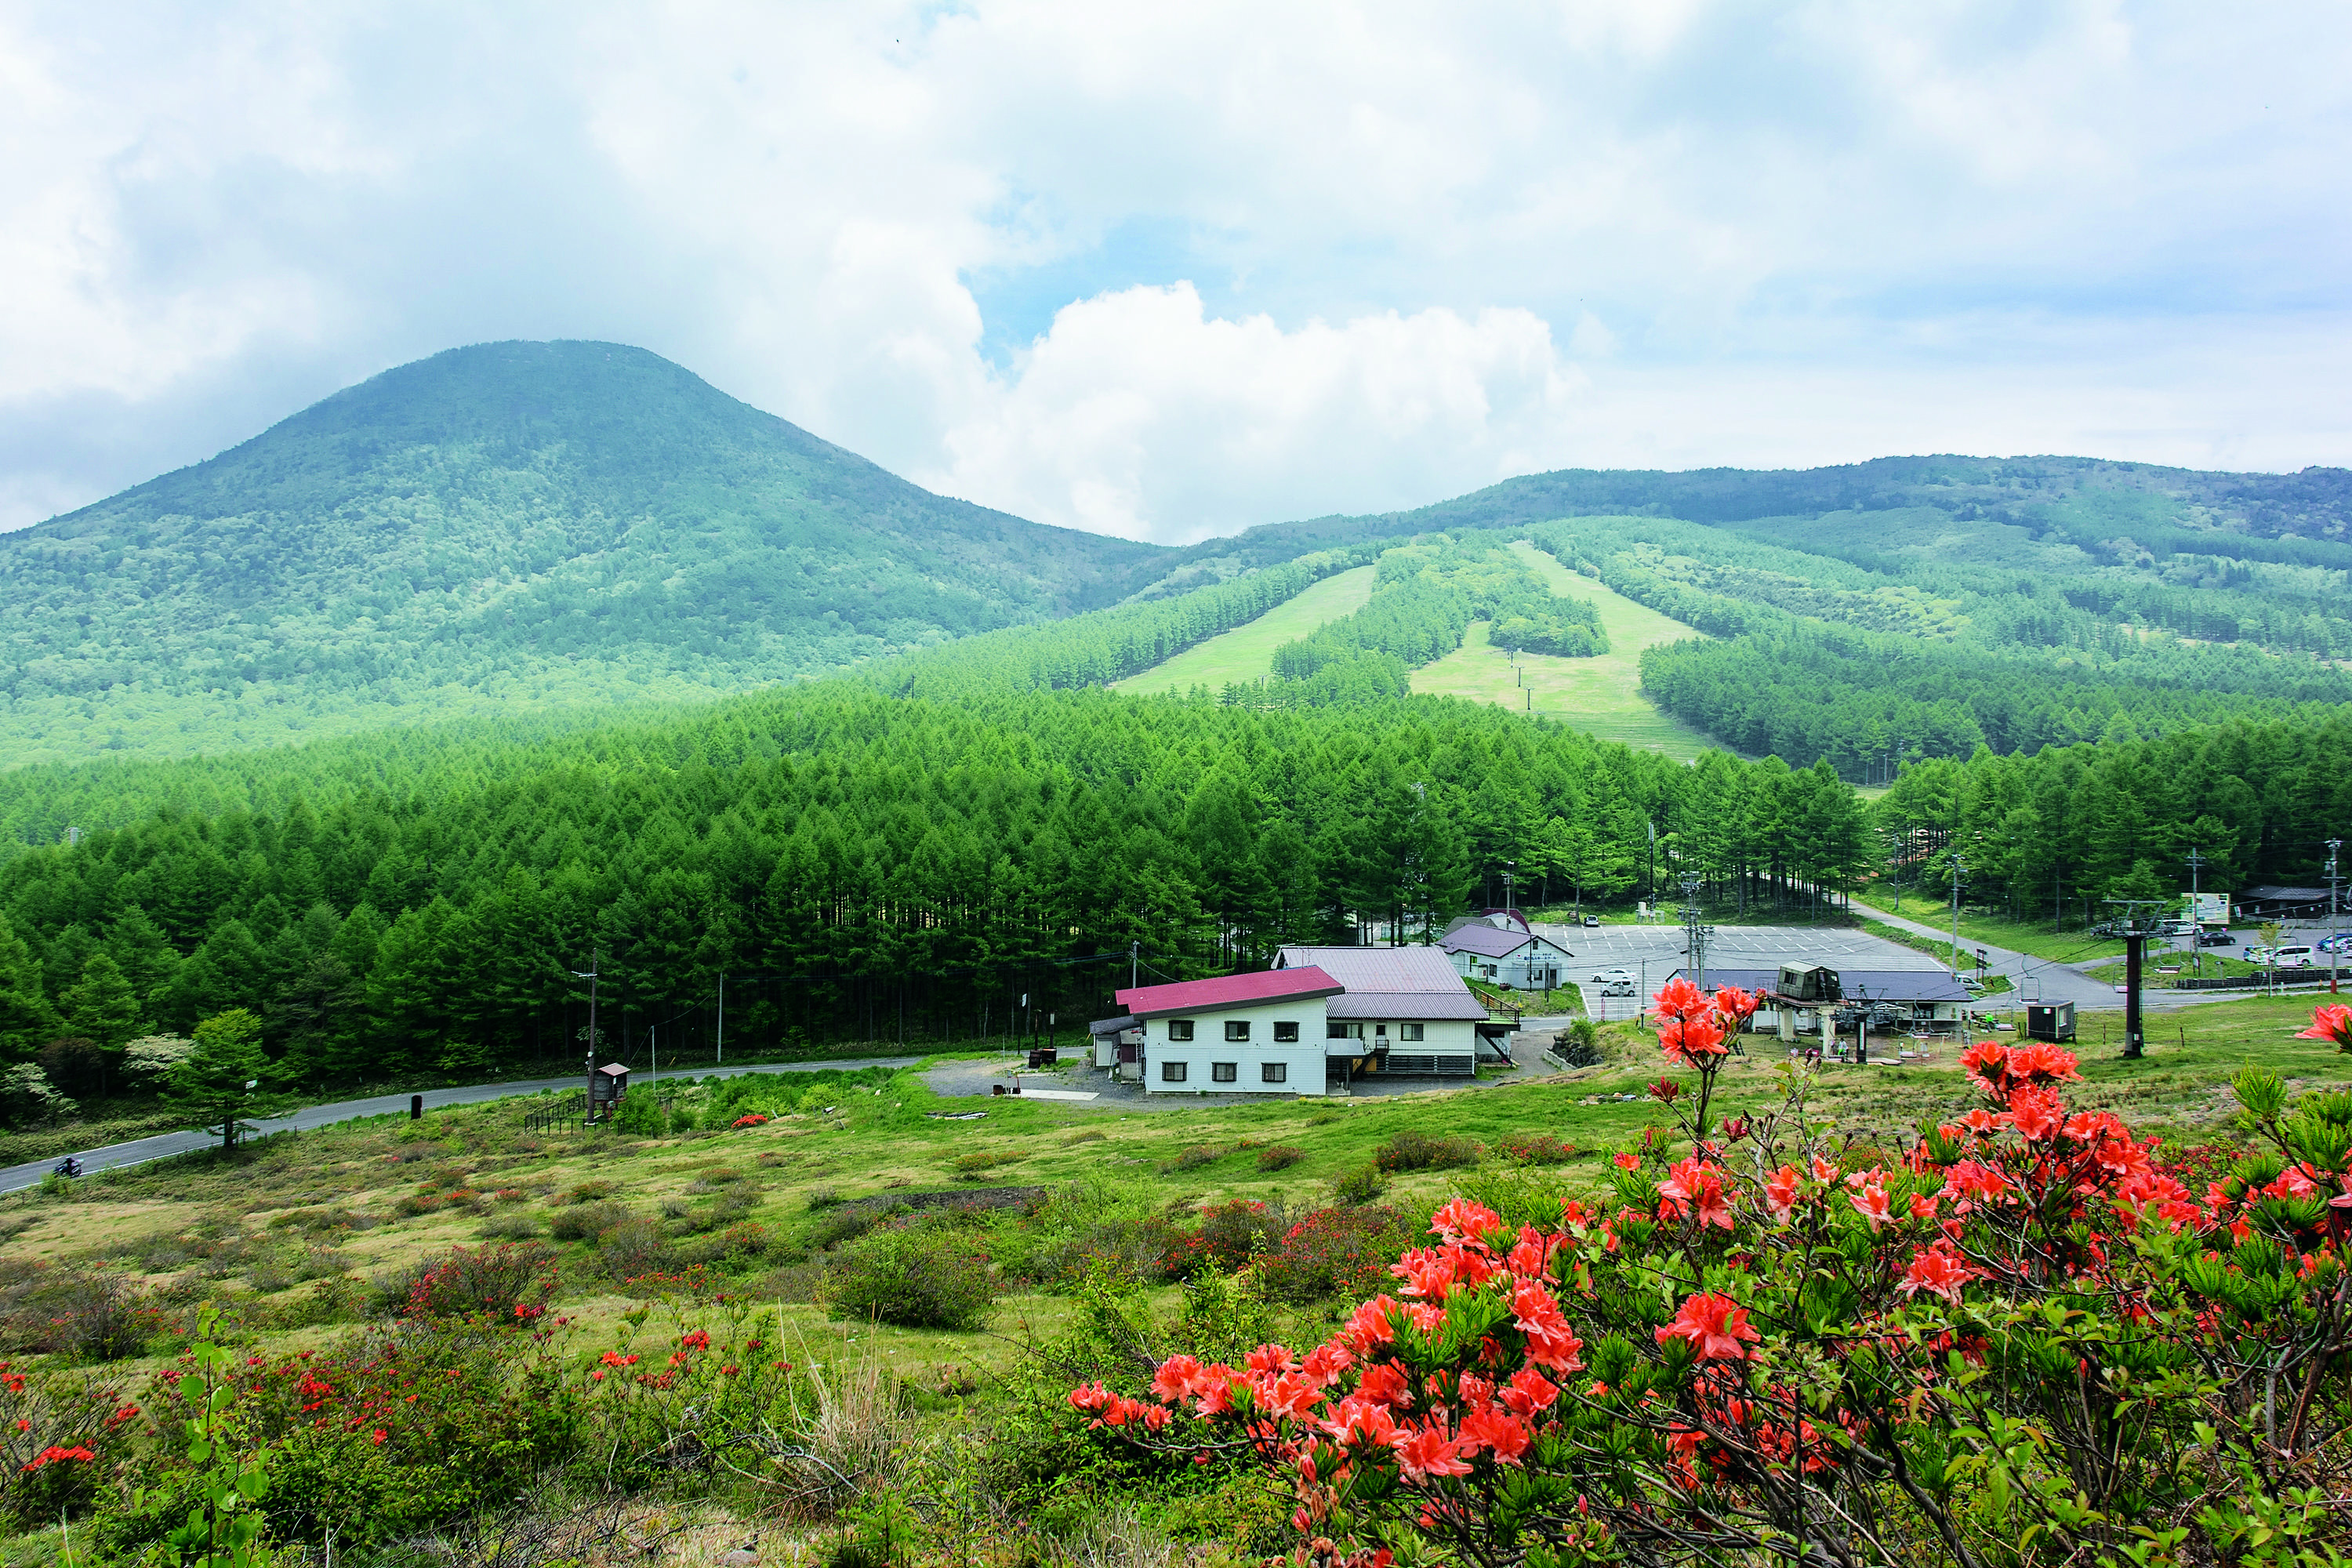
(859, 868)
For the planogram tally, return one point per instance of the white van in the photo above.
(2291, 958)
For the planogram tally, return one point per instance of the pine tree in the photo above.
(101, 1007)
(27, 1022)
(223, 1081)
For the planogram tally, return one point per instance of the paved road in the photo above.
(139, 1151)
(2048, 979)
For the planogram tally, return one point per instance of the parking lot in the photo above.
(1651, 954)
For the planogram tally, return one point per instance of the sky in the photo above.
(1169, 271)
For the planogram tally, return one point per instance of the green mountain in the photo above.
(512, 526)
(1943, 509)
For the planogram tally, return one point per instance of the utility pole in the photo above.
(1694, 933)
(1509, 866)
(1956, 915)
(590, 976)
(722, 1016)
(2194, 861)
(1134, 962)
(2333, 845)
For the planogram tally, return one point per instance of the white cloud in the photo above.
(1388, 242)
(1139, 416)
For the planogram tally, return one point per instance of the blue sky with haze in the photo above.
(1172, 271)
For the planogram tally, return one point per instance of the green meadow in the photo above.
(1602, 696)
(1246, 653)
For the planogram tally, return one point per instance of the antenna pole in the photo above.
(588, 974)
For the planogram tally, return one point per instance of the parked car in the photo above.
(2216, 939)
(1619, 988)
(2298, 957)
(1612, 976)
(2340, 942)
(2181, 928)
(1592, 922)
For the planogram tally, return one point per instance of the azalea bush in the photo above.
(2015, 1335)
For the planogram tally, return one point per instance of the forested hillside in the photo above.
(1869, 658)
(503, 528)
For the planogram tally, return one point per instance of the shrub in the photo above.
(384, 1434)
(1535, 1149)
(822, 1198)
(752, 1118)
(80, 1311)
(1623, 1384)
(1280, 1157)
(1193, 1159)
(1339, 1252)
(1364, 1185)
(916, 1275)
(1410, 1150)
(1231, 1234)
(1578, 1045)
(60, 1436)
(507, 1284)
(971, 1165)
(581, 1221)
(837, 1227)
(632, 1247)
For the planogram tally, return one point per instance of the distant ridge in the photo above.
(513, 524)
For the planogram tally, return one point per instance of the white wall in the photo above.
(1303, 1057)
(1439, 1037)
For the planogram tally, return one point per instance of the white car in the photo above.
(1613, 977)
(2291, 958)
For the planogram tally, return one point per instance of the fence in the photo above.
(574, 1112)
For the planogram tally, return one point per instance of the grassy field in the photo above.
(2037, 938)
(287, 1236)
(1246, 653)
(1601, 695)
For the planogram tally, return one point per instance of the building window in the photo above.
(1224, 1072)
(1274, 1072)
(1238, 1029)
(1171, 1072)
(1179, 1028)
(1335, 1030)
(1407, 1031)
(1286, 1034)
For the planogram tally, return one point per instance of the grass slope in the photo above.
(506, 527)
(1601, 695)
(1246, 653)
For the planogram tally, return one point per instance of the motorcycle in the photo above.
(69, 1167)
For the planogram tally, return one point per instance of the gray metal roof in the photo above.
(1859, 985)
(1111, 1025)
(1408, 1005)
(1377, 968)
(1389, 981)
(1485, 941)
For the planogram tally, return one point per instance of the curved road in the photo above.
(114, 1156)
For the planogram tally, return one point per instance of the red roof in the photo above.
(1231, 991)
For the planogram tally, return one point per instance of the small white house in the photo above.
(1507, 955)
(1241, 1033)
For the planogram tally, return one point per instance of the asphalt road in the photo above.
(114, 1156)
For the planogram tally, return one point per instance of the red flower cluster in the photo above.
(1693, 1026)
(1765, 1306)
(752, 1120)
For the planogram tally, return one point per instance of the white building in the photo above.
(1241, 1033)
(1399, 1010)
(1505, 955)
(1320, 1014)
